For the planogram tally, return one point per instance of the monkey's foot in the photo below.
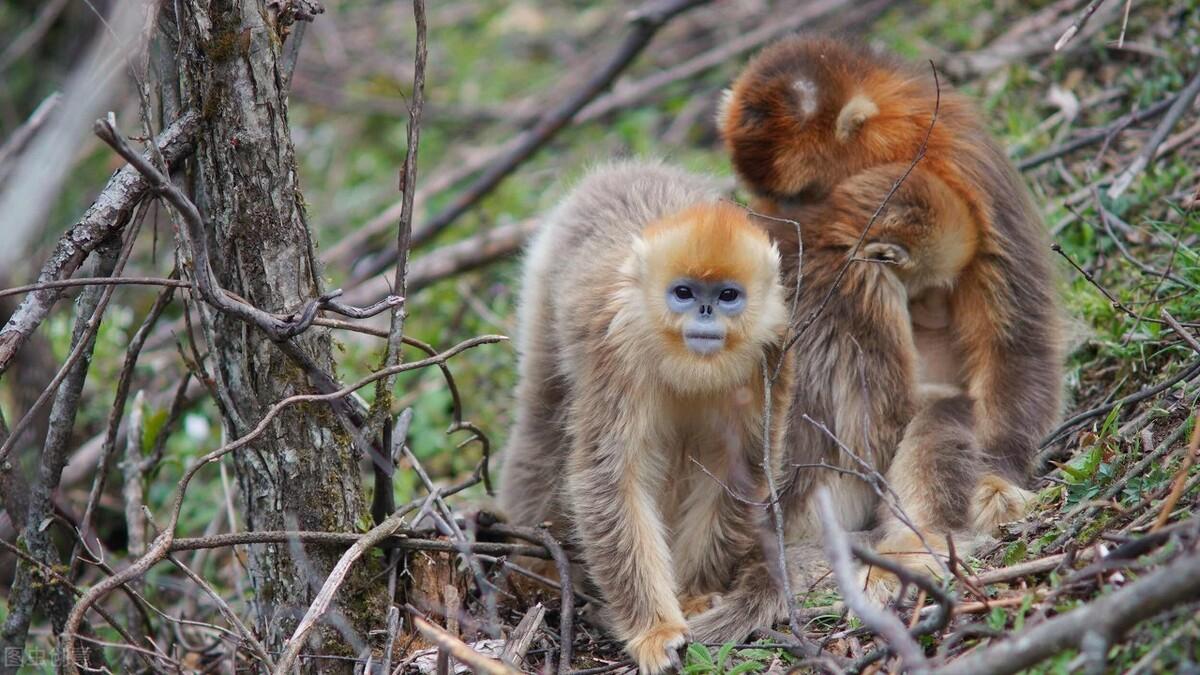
(735, 616)
(907, 550)
(698, 604)
(656, 650)
(997, 501)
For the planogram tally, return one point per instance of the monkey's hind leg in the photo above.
(933, 475)
(755, 601)
(535, 456)
(997, 501)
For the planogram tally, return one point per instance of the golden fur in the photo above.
(615, 417)
(937, 359)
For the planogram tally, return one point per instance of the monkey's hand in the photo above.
(906, 549)
(656, 650)
(997, 501)
(692, 605)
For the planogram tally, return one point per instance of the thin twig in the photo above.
(644, 25)
(1181, 105)
(1187, 372)
(278, 329)
(1180, 330)
(108, 216)
(95, 281)
(161, 545)
(1181, 476)
(1086, 14)
(381, 410)
(1099, 135)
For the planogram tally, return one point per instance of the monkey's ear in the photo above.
(723, 108)
(635, 265)
(885, 252)
(854, 114)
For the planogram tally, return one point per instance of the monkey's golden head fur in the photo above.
(707, 242)
(808, 112)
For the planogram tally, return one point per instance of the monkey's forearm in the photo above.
(621, 537)
(1013, 347)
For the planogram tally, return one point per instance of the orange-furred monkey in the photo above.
(937, 358)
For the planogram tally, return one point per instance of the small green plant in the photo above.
(700, 660)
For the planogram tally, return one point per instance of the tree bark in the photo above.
(303, 473)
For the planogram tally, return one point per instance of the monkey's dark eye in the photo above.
(683, 292)
(728, 295)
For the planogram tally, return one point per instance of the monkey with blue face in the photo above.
(649, 308)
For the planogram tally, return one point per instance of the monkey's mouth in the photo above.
(703, 341)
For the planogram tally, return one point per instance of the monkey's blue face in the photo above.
(704, 307)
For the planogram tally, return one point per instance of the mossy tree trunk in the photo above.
(303, 473)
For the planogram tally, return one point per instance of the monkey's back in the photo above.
(580, 247)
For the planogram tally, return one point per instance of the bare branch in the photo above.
(161, 545)
(1181, 105)
(108, 215)
(460, 650)
(278, 329)
(1108, 617)
(1086, 14)
(381, 411)
(887, 626)
(645, 24)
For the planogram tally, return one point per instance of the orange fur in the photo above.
(820, 130)
(952, 291)
(708, 241)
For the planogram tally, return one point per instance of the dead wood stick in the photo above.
(566, 627)
(1150, 149)
(332, 583)
(1039, 566)
(1097, 135)
(1086, 14)
(399, 541)
(522, 636)
(1180, 330)
(452, 259)
(461, 650)
(1108, 618)
(887, 626)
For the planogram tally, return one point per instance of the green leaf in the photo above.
(723, 655)
(152, 424)
(997, 618)
(1015, 553)
(1110, 422)
(1073, 472)
(1019, 621)
(745, 667)
(699, 654)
